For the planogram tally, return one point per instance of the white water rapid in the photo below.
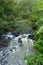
(18, 47)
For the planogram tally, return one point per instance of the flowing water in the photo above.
(16, 50)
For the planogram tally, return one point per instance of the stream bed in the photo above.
(18, 47)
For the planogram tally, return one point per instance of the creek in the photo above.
(17, 48)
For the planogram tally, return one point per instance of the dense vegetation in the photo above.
(13, 16)
(37, 17)
(21, 15)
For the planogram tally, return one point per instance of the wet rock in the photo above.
(11, 50)
(8, 36)
(3, 54)
(31, 37)
(16, 34)
(14, 48)
(30, 31)
(20, 41)
(3, 43)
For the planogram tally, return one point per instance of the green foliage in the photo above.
(39, 42)
(34, 60)
(37, 18)
(37, 59)
(13, 11)
(7, 20)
